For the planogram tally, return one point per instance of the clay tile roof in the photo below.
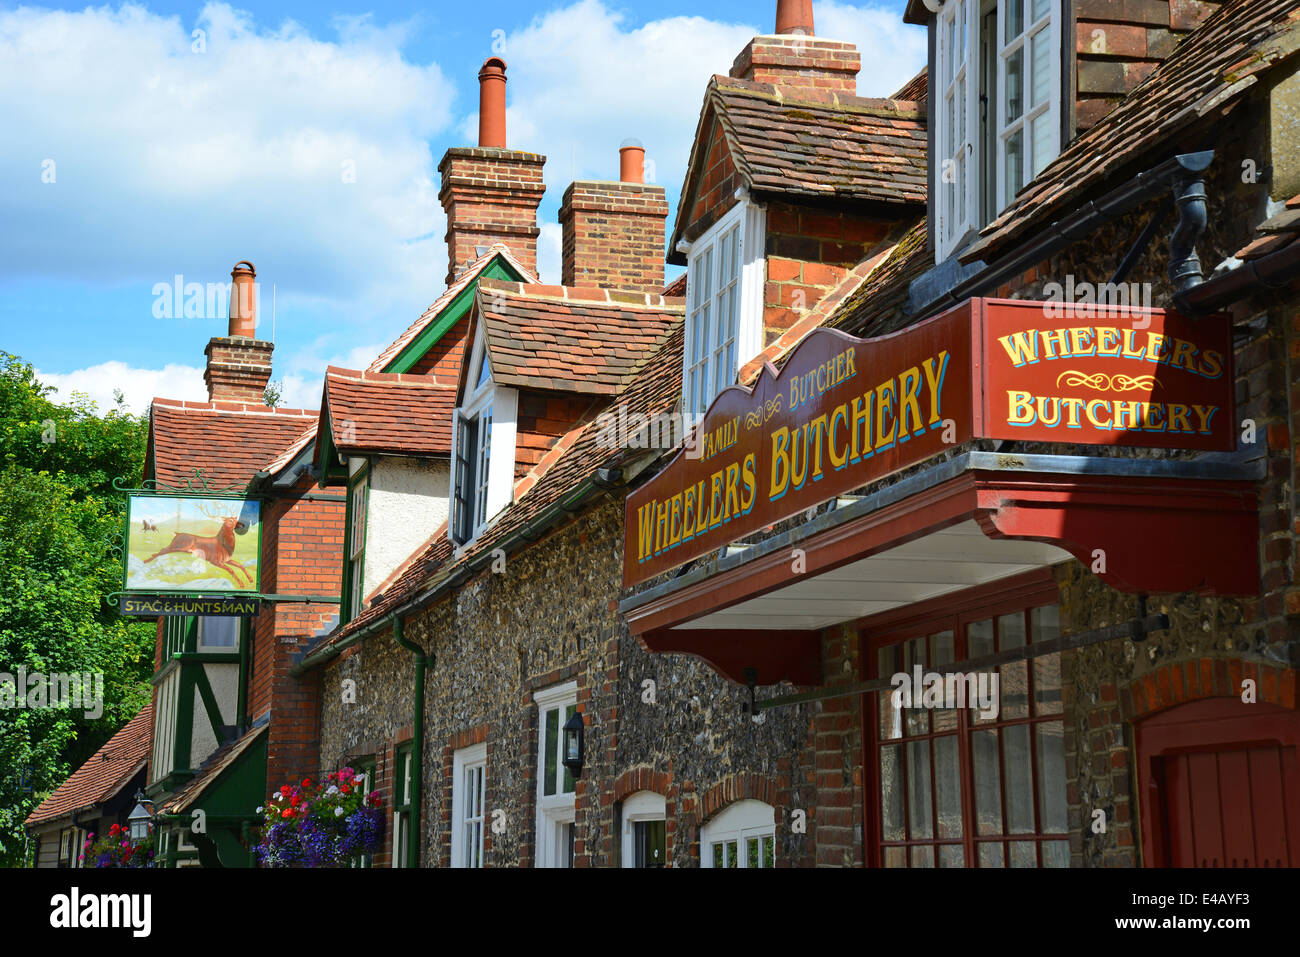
(464, 279)
(571, 339)
(104, 774)
(230, 441)
(916, 89)
(877, 307)
(184, 796)
(855, 149)
(848, 148)
(387, 412)
(283, 460)
(1276, 233)
(655, 389)
(1216, 63)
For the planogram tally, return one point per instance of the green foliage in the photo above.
(58, 512)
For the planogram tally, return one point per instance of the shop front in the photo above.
(978, 541)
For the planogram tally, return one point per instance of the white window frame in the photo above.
(404, 764)
(496, 443)
(743, 287)
(202, 645)
(555, 812)
(740, 821)
(467, 810)
(1050, 109)
(959, 176)
(359, 521)
(641, 806)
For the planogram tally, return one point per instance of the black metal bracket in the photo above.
(751, 681)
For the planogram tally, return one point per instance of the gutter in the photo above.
(416, 798)
(599, 482)
(1274, 271)
(1053, 237)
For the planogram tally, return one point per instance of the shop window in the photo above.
(967, 787)
(997, 108)
(468, 797)
(724, 320)
(743, 835)
(555, 785)
(364, 768)
(402, 806)
(645, 830)
(219, 633)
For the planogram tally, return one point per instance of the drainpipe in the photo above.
(1193, 213)
(416, 798)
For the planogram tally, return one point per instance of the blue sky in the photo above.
(139, 150)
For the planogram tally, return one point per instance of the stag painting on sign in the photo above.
(192, 545)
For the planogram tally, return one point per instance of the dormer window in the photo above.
(484, 443)
(724, 314)
(997, 108)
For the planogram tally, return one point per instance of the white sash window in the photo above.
(997, 109)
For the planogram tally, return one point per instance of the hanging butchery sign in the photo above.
(844, 412)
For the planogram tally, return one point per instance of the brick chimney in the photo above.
(239, 365)
(491, 193)
(614, 232)
(796, 61)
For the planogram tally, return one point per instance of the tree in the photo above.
(58, 511)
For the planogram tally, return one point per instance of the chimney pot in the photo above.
(631, 162)
(492, 104)
(794, 16)
(243, 301)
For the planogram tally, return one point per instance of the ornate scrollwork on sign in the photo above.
(195, 482)
(764, 413)
(1119, 382)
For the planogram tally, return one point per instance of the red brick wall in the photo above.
(807, 67)
(303, 544)
(1119, 43)
(809, 252)
(717, 188)
(491, 196)
(238, 369)
(544, 419)
(443, 360)
(614, 236)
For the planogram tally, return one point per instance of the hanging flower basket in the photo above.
(321, 823)
(115, 849)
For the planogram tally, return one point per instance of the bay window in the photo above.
(959, 787)
(997, 113)
(724, 314)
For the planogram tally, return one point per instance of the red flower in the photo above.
(285, 791)
(288, 813)
(345, 789)
(295, 800)
(306, 782)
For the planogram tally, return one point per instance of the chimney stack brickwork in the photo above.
(808, 66)
(491, 196)
(613, 235)
(238, 368)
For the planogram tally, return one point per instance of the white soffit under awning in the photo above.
(935, 565)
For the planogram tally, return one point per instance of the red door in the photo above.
(1220, 785)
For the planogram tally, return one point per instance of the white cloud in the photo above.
(580, 84)
(167, 160)
(138, 386)
(892, 51)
